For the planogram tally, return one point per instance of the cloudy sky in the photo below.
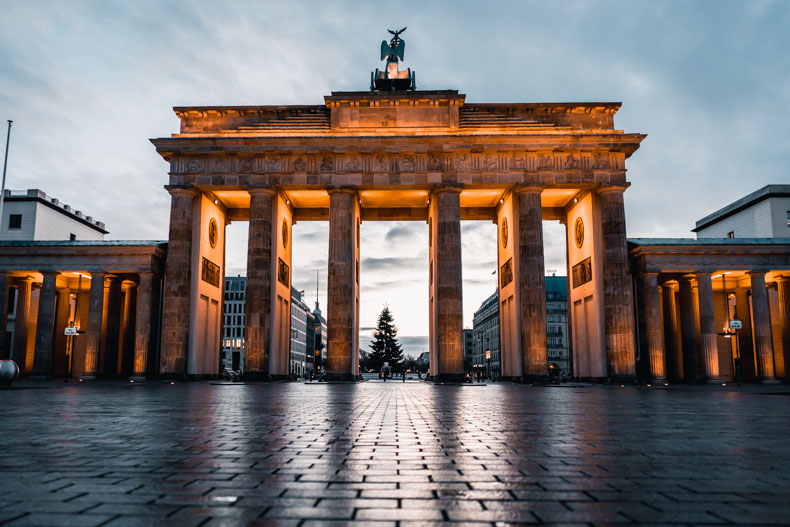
(87, 83)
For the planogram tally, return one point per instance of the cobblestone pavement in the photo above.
(391, 454)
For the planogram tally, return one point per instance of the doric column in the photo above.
(688, 330)
(19, 352)
(112, 330)
(4, 352)
(672, 345)
(655, 337)
(745, 340)
(142, 327)
(177, 290)
(763, 338)
(341, 308)
(783, 286)
(707, 322)
(258, 308)
(532, 283)
(42, 360)
(93, 334)
(62, 313)
(618, 298)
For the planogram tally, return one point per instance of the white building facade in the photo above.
(764, 213)
(31, 215)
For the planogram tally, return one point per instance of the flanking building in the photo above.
(233, 327)
(765, 213)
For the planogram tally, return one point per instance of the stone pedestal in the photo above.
(42, 360)
(142, 335)
(532, 284)
(93, 333)
(341, 310)
(763, 339)
(654, 335)
(449, 303)
(618, 297)
(258, 308)
(707, 322)
(177, 290)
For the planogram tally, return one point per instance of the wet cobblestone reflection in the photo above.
(390, 454)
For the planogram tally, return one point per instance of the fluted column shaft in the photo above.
(618, 296)
(42, 360)
(763, 338)
(142, 327)
(4, 352)
(655, 337)
(258, 304)
(340, 286)
(449, 293)
(19, 352)
(93, 333)
(707, 322)
(672, 346)
(178, 285)
(688, 330)
(783, 286)
(532, 283)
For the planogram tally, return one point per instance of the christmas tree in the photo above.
(385, 347)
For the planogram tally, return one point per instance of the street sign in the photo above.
(736, 324)
(70, 332)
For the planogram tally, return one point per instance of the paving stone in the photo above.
(396, 454)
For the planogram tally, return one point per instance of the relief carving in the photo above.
(571, 161)
(434, 162)
(221, 165)
(245, 164)
(380, 163)
(408, 164)
(463, 162)
(518, 161)
(489, 162)
(544, 162)
(272, 164)
(327, 164)
(193, 166)
(353, 164)
(300, 165)
(601, 161)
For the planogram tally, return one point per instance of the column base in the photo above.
(449, 377)
(256, 376)
(340, 377)
(87, 377)
(714, 381)
(138, 378)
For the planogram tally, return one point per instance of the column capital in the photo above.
(447, 187)
(264, 189)
(756, 273)
(182, 190)
(522, 188)
(51, 273)
(610, 189)
(341, 189)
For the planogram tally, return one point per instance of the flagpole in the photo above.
(5, 164)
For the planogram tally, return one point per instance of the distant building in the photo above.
(31, 215)
(233, 329)
(485, 337)
(485, 332)
(468, 348)
(764, 213)
(316, 338)
(301, 317)
(557, 323)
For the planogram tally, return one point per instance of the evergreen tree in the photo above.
(385, 346)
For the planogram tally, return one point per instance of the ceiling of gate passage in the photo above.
(395, 205)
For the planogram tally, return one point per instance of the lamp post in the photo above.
(5, 164)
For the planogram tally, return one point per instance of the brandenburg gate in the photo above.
(399, 155)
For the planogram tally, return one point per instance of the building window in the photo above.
(731, 234)
(15, 221)
(72, 237)
(788, 218)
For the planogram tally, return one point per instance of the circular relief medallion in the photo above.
(285, 233)
(578, 232)
(212, 233)
(504, 233)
